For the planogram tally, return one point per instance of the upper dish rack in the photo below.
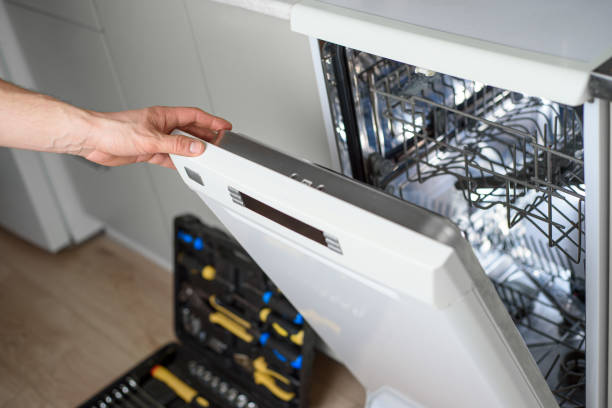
(502, 147)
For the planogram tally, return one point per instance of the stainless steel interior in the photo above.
(507, 168)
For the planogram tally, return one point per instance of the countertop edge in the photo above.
(274, 8)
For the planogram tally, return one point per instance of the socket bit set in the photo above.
(241, 344)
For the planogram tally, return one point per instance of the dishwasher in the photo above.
(506, 168)
(514, 185)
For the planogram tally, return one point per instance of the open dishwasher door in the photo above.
(393, 289)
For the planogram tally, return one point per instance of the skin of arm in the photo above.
(33, 121)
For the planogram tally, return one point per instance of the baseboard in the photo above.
(135, 246)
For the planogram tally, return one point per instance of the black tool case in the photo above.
(240, 342)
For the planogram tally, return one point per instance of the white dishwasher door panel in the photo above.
(393, 289)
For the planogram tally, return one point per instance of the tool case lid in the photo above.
(394, 290)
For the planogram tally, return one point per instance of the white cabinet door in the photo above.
(71, 62)
(156, 62)
(152, 49)
(260, 76)
(76, 11)
(66, 61)
(28, 207)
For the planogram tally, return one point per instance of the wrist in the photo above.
(77, 134)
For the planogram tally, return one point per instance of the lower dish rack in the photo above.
(542, 290)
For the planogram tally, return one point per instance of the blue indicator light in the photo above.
(266, 297)
(264, 338)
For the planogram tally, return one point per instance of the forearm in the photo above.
(38, 122)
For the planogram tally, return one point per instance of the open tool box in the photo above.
(241, 344)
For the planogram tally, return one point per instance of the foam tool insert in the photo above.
(240, 343)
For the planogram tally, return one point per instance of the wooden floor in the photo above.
(70, 323)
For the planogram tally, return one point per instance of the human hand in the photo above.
(143, 135)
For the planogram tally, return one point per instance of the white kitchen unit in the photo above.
(37, 200)
(497, 146)
(114, 55)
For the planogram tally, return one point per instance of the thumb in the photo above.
(181, 145)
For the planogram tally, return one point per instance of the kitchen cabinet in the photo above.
(156, 64)
(70, 62)
(80, 12)
(22, 182)
(67, 61)
(260, 75)
(153, 53)
(235, 63)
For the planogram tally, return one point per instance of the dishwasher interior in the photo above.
(507, 168)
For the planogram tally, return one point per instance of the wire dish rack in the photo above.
(542, 292)
(556, 343)
(503, 148)
(506, 168)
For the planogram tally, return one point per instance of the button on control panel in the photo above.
(309, 183)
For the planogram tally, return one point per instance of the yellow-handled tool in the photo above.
(260, 365)
(220, 308)
(230, 325)
(180, 388)
(195, 301)
(270, 383)
(262, 375)
(284, 329)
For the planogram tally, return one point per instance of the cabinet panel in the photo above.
(78, 11)
(66, 61)
(27, 205)
(153, 52)
(156, 61)
(261, 77)
(124, 198)
(71, 62)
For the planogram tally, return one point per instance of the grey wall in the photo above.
(118, 54)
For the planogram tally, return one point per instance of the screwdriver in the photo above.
(209, 273)
(278, 349)
(280, 326)
(276, 303)
(180, 388)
